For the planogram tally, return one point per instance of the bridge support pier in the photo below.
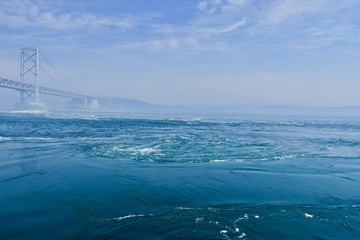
(22, 97)
(93, 104)
(87, 103)
(22, 104)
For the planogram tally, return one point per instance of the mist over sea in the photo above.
(68, 175)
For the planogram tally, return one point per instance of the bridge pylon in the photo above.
(29, 87)
(29, 67)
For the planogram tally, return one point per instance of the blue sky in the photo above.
(195, 52)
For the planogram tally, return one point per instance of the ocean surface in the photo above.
(111, 176)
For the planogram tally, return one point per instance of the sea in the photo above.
(87, 175)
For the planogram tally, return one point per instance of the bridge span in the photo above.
(29, 87)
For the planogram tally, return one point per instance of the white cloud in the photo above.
(304, 24)
(204, 32)
(21, 14)
(220, 6)
(326, 35)
(237, 2)
(225, 29)
(283, 10)
(233, 5)
(203, 5)
(272, 24)
(209, 6)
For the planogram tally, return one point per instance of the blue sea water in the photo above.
(109, 176)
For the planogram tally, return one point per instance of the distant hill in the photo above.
(131, 105)
(119, 104)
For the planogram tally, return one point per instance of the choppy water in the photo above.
(93, 176)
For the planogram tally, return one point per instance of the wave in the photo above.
(36, 112)
(5, 138)
(129, 216)
(239, 222)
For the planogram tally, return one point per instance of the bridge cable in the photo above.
(51, 77)
(57, 71)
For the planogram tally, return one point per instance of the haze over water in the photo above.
(108, 176)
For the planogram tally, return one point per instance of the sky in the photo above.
(193, 52)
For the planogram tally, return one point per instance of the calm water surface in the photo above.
(102, 176)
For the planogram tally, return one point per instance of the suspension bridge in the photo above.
(29, 88)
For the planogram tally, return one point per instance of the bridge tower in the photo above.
(29, 67)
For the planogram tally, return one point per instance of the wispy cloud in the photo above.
(213, 23)
(209, 6)
(29, 14)
(216, 6)
(304, 24)
(225, 29)
(326, 35)
(283, 10)
(205, 32)
(48, 17)
(279, 11)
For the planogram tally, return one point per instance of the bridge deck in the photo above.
(28, 87)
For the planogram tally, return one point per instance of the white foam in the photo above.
(185, 208)
(239, 160)
(4, 138)
(28, 111)
(134, 150)
(285, 157)
(72, 115)
(245, 217)
(199, 219)
(218, 161)
(194, 119)
(38, 138)
(145, 151)
(308, 215)
(242, 235)
(217, 223)
(130, 216)
(115, 148)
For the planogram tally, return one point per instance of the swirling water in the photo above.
(101, 176)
